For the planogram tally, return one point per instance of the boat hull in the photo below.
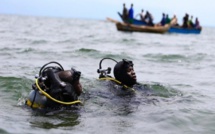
(135, 28)
(184, 30)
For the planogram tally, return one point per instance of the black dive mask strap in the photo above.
(76, 75)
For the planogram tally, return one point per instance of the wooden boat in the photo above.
(177, 29)
(121, 26)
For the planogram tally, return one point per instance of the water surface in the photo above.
(180, 69)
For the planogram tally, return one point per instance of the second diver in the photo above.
(124, 80)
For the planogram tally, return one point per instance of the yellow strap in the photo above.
(53, 99)
(35, 105)
(109, 78)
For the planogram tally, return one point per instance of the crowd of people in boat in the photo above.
(147, 18)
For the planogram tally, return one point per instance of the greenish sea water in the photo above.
(179, 68)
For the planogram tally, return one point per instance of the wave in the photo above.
(165, 57)
(15, 87)
(100, 54)
(175, 57)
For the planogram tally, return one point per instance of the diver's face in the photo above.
(131, 73)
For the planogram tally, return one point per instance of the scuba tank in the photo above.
(36, 99)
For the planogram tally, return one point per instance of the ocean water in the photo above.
(178, 67)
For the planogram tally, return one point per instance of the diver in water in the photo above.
(125, 81)
(124, 72)
(55, 88)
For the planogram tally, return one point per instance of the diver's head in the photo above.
(73, 77)
(124, 72)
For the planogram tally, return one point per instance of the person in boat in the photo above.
(185, 21)
(124, 80)
(149, 19)
(190, 22)
(55, 88)
(142, 15)
(197, 24)
(131, 14)
(167, 21)
(125, 13)
(174, 21)
(163, 20)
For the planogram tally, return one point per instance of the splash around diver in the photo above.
(55, 88)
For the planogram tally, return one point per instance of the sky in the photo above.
(100, 9)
